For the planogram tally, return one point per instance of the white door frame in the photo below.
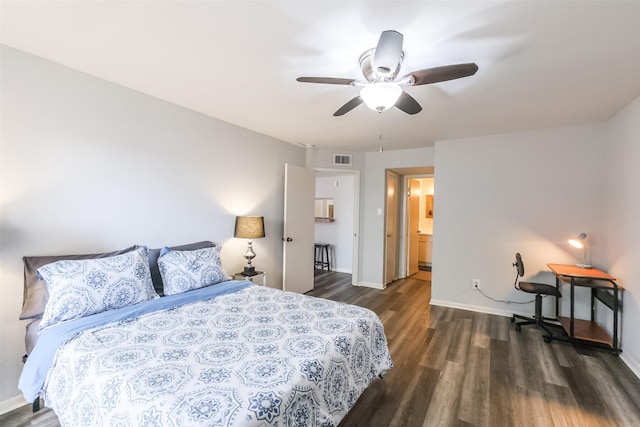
(389, 275)
(356, 217)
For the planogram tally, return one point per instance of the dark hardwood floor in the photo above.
(460, 368)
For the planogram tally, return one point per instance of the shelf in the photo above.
(586, 330)
(323, 219)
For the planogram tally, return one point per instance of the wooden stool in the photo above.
(322, 256)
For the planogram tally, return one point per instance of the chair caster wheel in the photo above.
(547, 339)
(518, 328)
(513, 319)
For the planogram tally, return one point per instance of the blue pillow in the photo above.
(183, 271)
(79, 288)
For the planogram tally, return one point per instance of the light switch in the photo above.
(379, 211)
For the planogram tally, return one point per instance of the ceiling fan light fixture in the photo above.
(380, 96)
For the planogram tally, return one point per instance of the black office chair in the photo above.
(539, 289)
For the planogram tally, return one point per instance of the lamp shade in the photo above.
(380, 96)
(249, 227)
(578, 242)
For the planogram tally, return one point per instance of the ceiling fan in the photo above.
(380, 66)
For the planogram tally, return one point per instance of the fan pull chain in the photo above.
(381, 132)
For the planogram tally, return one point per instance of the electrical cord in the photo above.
(506, 301)
(515, 285)
(519, 272)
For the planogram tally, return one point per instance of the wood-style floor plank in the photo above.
(459, 368)
(475, 397)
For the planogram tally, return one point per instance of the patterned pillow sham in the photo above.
(85, 287)
(35, 295)
(154, 254)
(183, 271)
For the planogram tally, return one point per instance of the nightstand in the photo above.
(259, 279)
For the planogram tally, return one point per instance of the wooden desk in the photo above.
(604, 289)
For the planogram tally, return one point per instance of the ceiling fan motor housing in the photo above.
(388, 54)
(371, 73)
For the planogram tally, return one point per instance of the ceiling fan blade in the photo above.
(348, 106)
(408, 104)
(442, 74)
(326, 80)
(388, 54)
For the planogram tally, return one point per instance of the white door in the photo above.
(391, 253)
(414, 224)
(298, 252)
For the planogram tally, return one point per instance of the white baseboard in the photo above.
(476, 308)
(635, 368)
(13, 403)
(372, 285)
(343, 270)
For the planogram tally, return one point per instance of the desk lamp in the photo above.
(580, 243)
(249, 227)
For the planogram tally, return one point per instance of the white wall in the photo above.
(622, 221)
(339, 234)
(530, 192)
(88, 166)
(526, 193)
(373, 199)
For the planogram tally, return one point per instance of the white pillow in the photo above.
(183, 271)
(79, 288)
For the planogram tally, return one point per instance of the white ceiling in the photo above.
(541, 64)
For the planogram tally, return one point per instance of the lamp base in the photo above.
(249, 271)
(584, 265)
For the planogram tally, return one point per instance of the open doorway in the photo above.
(337, 221)
(408, 251)
(418, 226)
(420, 210)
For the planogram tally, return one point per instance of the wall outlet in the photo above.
(475, 283)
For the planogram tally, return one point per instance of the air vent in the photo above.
(342, 159)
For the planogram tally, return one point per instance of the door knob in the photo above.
(287, 239)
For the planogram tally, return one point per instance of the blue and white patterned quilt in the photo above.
(254, 357)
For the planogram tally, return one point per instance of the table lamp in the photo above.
(580, 243)
(249, 227)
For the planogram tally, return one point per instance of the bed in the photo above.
(229, 353)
